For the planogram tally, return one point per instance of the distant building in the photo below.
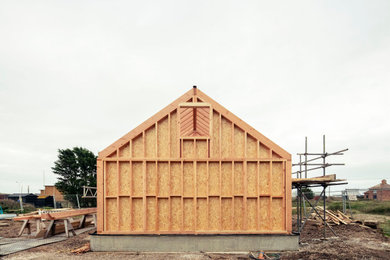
(352, 193)
(379, 192)
(51, 190)
(44, 201)
(3, 196)
(26, 197)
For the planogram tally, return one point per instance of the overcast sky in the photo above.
(84, 73)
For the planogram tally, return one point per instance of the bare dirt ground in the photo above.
(354, 242)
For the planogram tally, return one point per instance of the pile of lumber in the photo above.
(332, 217)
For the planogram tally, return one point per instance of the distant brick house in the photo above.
(379, 192)
(51, 190)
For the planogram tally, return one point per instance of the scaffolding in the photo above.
(302, 182)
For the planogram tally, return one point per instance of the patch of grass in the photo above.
(11, 206)
(385, 227)
(364, 206)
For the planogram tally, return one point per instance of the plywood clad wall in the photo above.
(228, 182)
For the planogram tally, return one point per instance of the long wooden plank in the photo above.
(326, 178)
(27, 217)
(67, 214)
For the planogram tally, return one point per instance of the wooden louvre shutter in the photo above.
(194, 120)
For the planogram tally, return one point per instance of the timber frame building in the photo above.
(194, 168)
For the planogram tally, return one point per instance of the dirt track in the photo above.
(354, 242)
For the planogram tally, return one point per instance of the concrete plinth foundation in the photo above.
(193, 243)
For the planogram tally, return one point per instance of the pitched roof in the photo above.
(196, 93)
(382, 186)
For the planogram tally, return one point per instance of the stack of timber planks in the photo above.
(332, 217)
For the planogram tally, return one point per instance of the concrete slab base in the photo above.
(193, 243)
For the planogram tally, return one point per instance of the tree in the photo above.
(76, 168)
(308, 193)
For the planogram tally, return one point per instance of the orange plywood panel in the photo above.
(189, 214)
(112, 214)
(265, 178)
(137, 213)
(138, 179)
(137, 146)
(277, 216)
(226, 137)
(239, 213)
(238, 178)
(174, 140)
(226, 179)
(202, 150)
(151, 179)
(176, 214)
(124, 151)
(227, 213)
(125, 178)
(239, 142)
(188, 149)
(215, 138)
(264, 151)
(265, 222)
(214, 213)
(124, 213)
(214, 179)
(176, 179)
(201, 179)
(163, 138)
(252, 213)
(150, 142)
(252, 179)
(277, 179)
(163, 214)
(151, 212)
(188, 179)
(111, 179)
(163, 179)
(201, 214)
(251, 147)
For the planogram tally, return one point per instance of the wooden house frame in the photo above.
(194, 168)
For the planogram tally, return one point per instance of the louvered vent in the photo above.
(194, 119)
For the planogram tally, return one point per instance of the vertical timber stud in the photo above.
(195, 194)
(182, 195)
(157, 228)
(100, 195)
(244, 200)
(220, 195)
(271, 226)
(258, 193)
(118, 192)
(145, 212)
(105, 195)
(288, 197)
